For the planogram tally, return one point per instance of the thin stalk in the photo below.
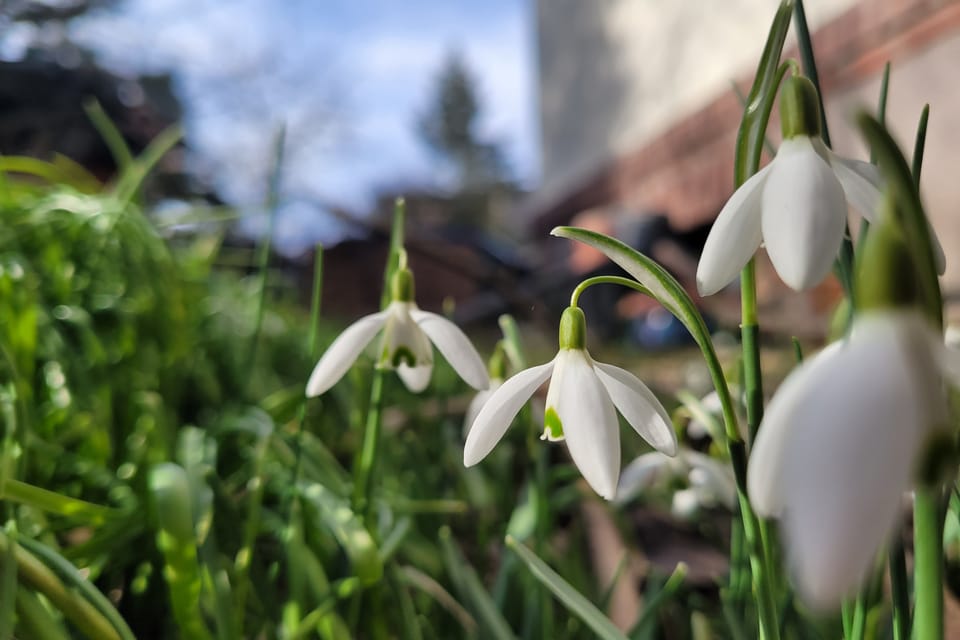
(371, 446)
(900, 589)
(928, 564)
(367, 459)
(542, 532)
(589, 282)
(312, 352)
(263, 259)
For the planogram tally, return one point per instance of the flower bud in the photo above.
(799, 108)
(886, 272)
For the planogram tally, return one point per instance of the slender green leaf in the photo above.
(760, 99)
(416, 578)
(347, 527)
(110, 133)
(575, 602)
(669, 589)
(132, 179)
(53, 502)
(490, 621)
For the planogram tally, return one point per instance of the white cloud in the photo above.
(348, 77)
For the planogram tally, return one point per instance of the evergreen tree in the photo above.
(448, 126)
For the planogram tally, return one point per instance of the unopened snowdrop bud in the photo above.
(886, 273)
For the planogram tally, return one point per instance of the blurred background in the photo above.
(145, 322)
(495, 120)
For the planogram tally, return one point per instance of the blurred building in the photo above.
(639, 112)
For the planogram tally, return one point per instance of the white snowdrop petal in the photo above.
(804, 214)
(948, 359)
(416, 379)
(765, 473)
(861, 184)
(455, 347)
(589, 421)
(734, 237)
(480, 399)
(640, 475)
(341, 354)
(714, 475)
(854, 442)
(639, 406)
(500, 409)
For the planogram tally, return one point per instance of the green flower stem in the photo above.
(363, 469)
(371, 445)
(589, 282)
(749, 334)
(312, 352)
(900, 589)
(928, 569)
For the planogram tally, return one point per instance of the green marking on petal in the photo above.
(552, 425)
(403, 355)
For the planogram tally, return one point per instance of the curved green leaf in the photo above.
(575, 602)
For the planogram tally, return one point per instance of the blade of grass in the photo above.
(110, 133)
(490, 621)
(418, 579)
(132, 179)
(575, 602)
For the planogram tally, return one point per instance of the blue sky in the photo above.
(347, 77)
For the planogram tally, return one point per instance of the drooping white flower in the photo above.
(708, 481)
(405, 346)
(839, 443)
(582, 403)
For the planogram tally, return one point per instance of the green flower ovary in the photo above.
(799, 108)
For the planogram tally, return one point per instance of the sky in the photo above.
(347, 78)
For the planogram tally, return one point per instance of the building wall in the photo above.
(614, 73)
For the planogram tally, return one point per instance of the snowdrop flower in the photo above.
(582, 404)
(796, 205)
(839, 444)
(708, 481)
(405, 346)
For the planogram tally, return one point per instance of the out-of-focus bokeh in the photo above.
(496, 120)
